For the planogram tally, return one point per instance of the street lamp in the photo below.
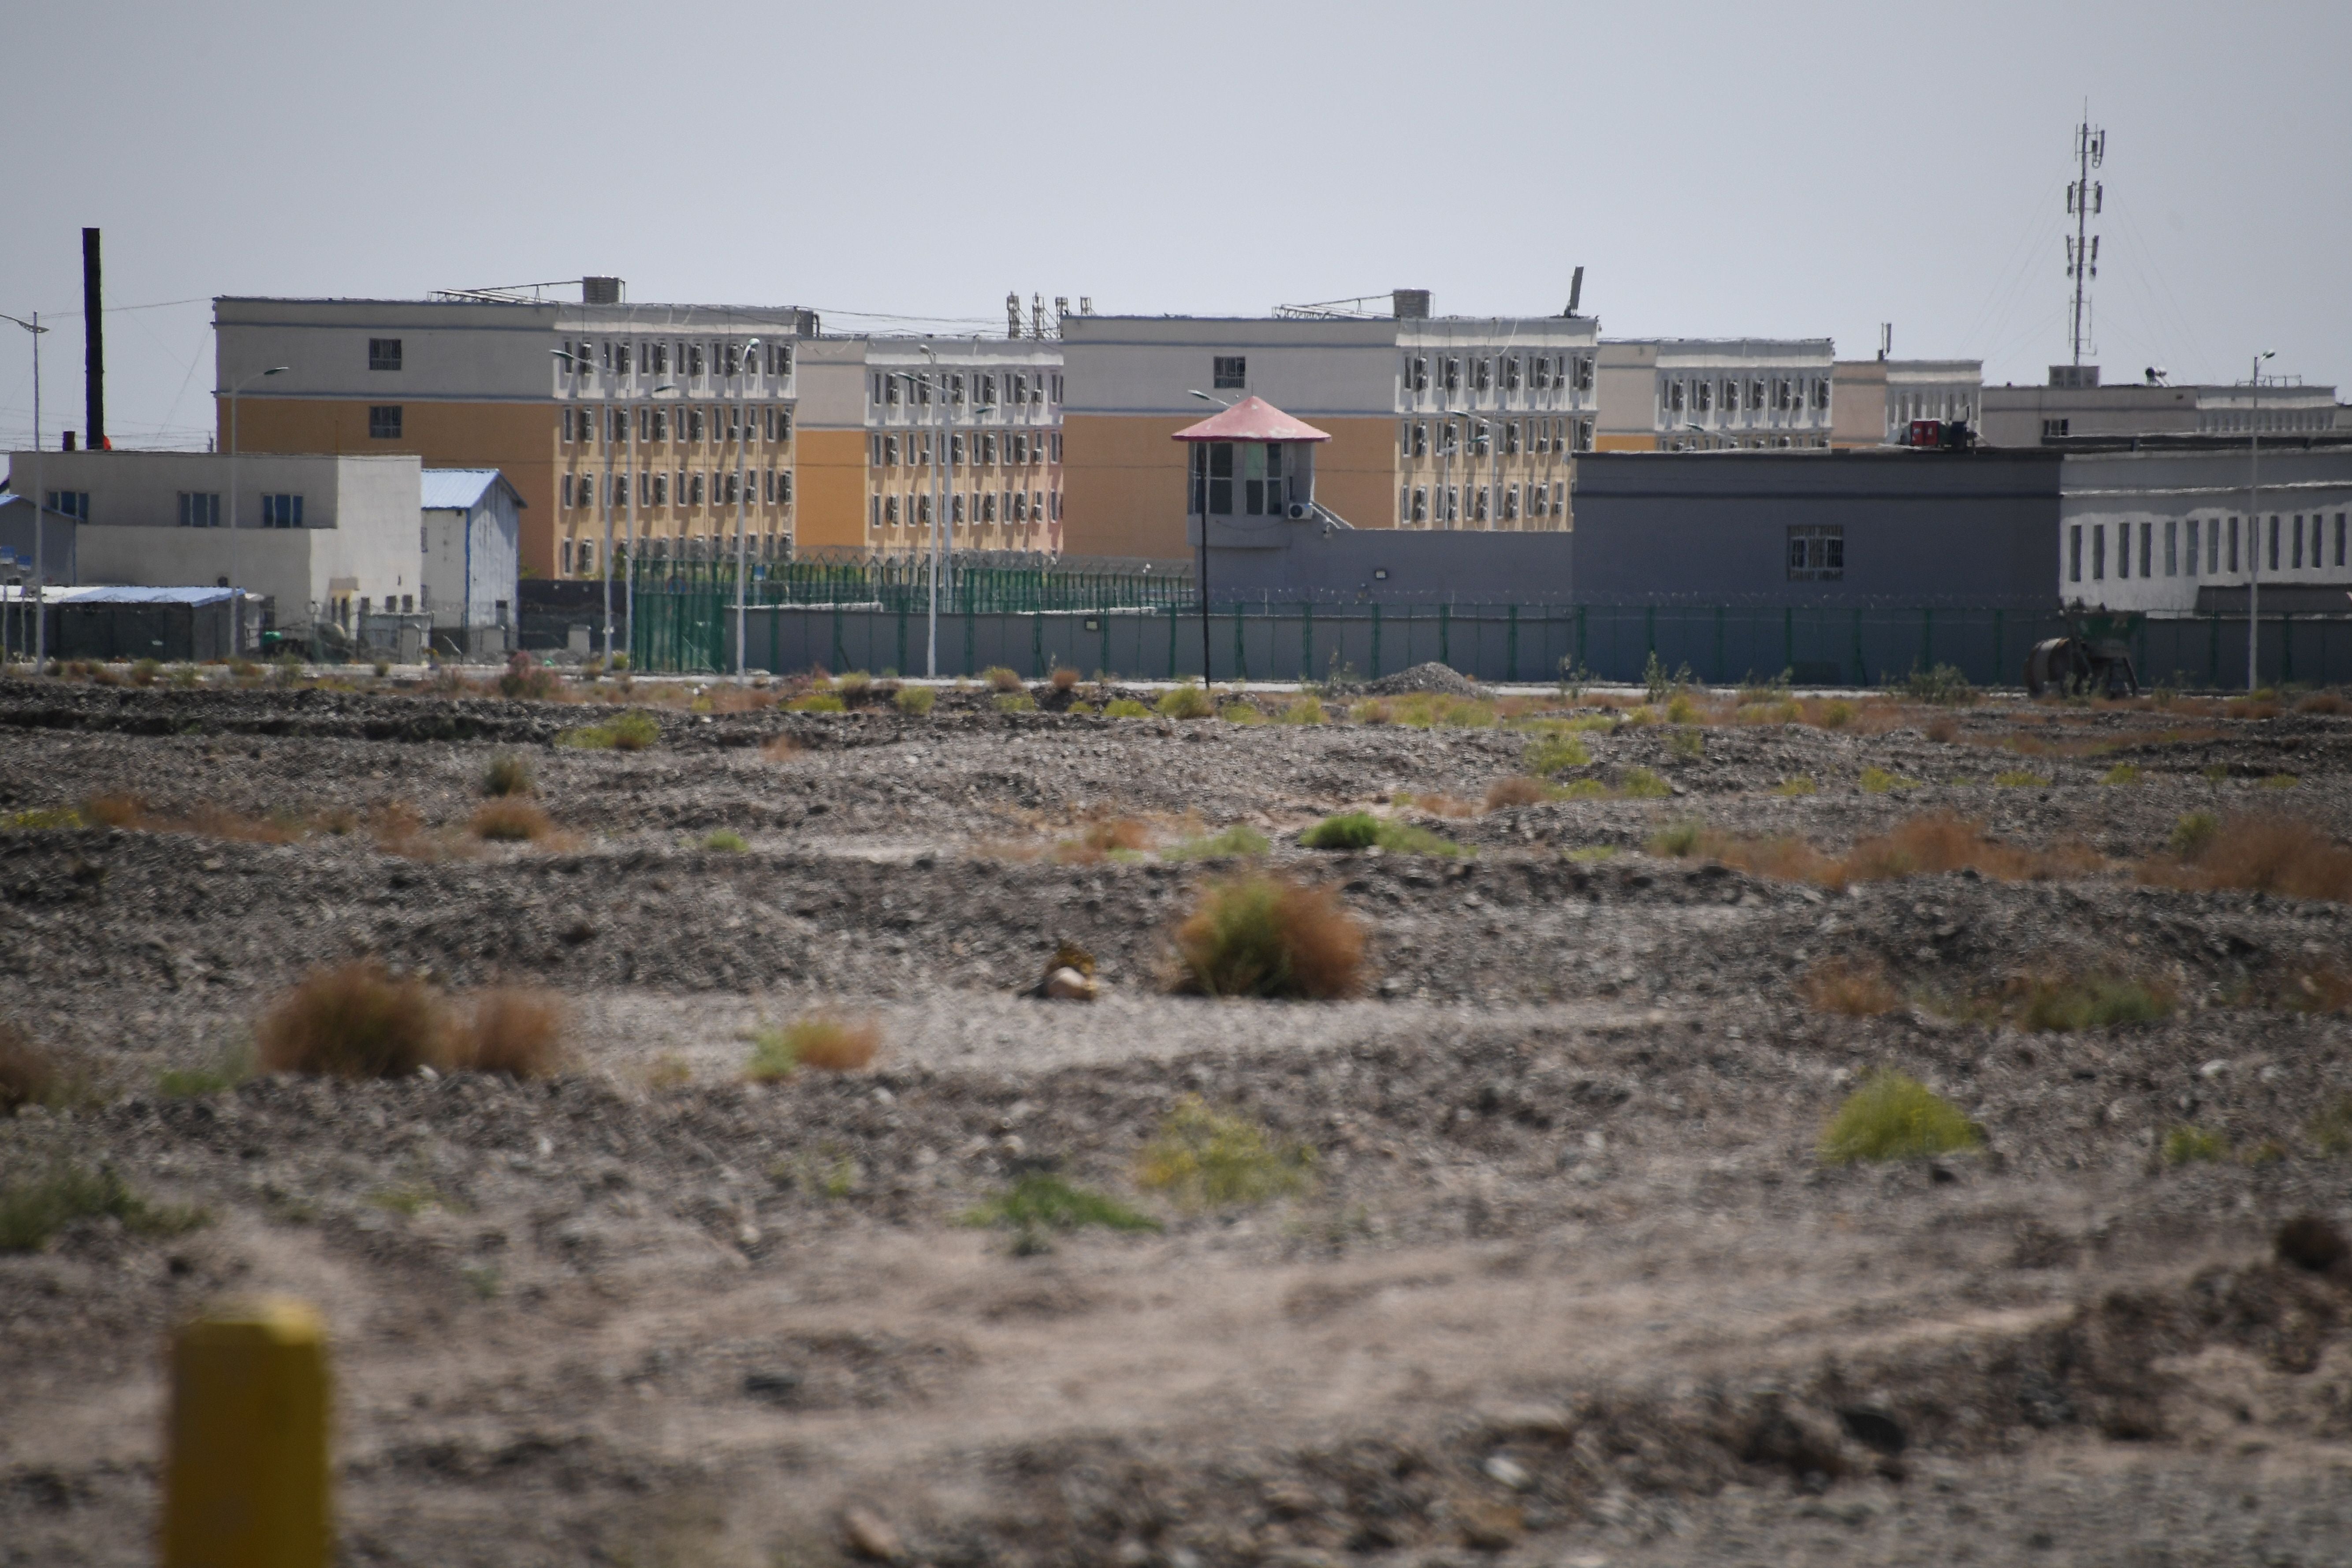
(236, 607)
(1221, 402)
(742, 495)
(40, 577)
(2254, 519)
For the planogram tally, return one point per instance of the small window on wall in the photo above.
(1421, 503)
(199, 509)
(281, 511)
(2098, 551)
(2340, 539)
(383, 353)
(383, 422)
(1229, 371)
(1816, 553)
(2196, 542)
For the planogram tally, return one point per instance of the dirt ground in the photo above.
(1572, 1283)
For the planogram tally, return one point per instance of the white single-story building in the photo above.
(324, 537)
(471, 541)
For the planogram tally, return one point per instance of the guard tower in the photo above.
(1251, 461)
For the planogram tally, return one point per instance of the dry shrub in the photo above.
(510, 821)
(1517, 790)
(1000, 678)
(1117, 833)
(354, 1021)
(116, 810)
(820, 1043)
(2323, 702)
(1943, 729)
(780, 748)
(1856, 988)
(514, 1030)
(1437, 802)
(1065, 677)
(218, 821)
(2264, 854)
(739, 700)
(1923, 846)
(28, 1075)
(1267, 936)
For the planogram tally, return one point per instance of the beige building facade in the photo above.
(900, 436)
(1436, 423)
(1684, 395)
(663, 422)
(1873, 402)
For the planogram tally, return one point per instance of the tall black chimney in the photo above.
(93, 337)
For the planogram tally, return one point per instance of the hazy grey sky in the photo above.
(1783, 169)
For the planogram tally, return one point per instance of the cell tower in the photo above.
(2085, 198)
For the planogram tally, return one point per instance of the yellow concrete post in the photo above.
(246, 1472)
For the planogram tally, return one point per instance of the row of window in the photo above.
(202, 508)
(2271, 419)
(715, 422)
(1482, 373)
(768, 487)
(986, 507)
(1249, 471)
(2211, 540)
(1542, 438)
(1910, 406)
(1018, 449)
(69, 503)
(580, 555)
(1482, 503)
(913, 388)
(686, 356)
(1758, 395)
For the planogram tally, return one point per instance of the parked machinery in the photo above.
(2095, 658)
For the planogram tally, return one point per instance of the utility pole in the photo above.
(2255, 523)
(2085, 198)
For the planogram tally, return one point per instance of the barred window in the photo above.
(383, 422)
(383, 353)
(1816, 553)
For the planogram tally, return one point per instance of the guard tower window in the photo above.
(1816, 553)
(1229, 371)
(383, 422)
(383, 353)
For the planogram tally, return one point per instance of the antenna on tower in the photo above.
(2085, 198)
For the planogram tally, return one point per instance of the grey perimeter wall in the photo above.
(1720, 643)
(1974, 529)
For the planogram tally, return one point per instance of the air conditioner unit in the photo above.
(1297, 512)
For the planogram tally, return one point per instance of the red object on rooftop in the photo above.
(1251, 419)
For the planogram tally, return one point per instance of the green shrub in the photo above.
(1801, 784)
(1362, 830)
(725, 841)
(1554, 753)
(1641, 783)
(915, 701)
(1658, 683)
(2280, 780)
(1681, 709)
(629, 731)
(1040, 1203)
(33, 1209)
(2330, 1131)
(2121, 773)
(1677, 839)
(817, 702)
(1306, 710)
(1774, 690)
(1688, 744)
(1837, 714)
(1241, 714)
(854, 683)
(1206, 1159)
(1186, 702)
(507, 775)
(1592, 854)
(1943, 685)
(1001, 679)
(228, 1070)
(1241, 841)
(2064, 1006)
(1016, 703)
(1262, 936)
(1878, 780)
(2186, 1146)
(2194, 833)
(1582, 789)
(2018, 778)
(1896, 1117)
(1126, 708)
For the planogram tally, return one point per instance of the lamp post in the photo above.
(2254, 521)
(237, 605)
(1221, 402)
(742, 495)
(40, 577)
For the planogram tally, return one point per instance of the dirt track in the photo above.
(1572, 1285)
